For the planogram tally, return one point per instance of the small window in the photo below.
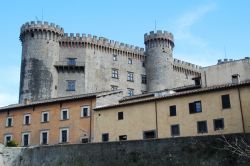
(143, 64)
(172, 110)
(105, 137)
(195, 107)
(26, 119)
(202, 126)
(9, 121)
(130, 76)
(130, 61)
(122, 137)
(218, 124)
(143, 79)
(85, 111)
(115, 73)
(175, 130)
(84, 140)
(113, 87)
(44, 137)
(225, 99)
(7, 138)
(114, 57)
(235, 78)
(71, 61)
(71, 85)
(45, 117)
(64, 135)
(130, 92)
(64, 114)
(25, 139)
(149, 134)
(120, 115)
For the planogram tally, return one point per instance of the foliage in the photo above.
(12, 143)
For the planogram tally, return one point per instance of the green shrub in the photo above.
(12, 143)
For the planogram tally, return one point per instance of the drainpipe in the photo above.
(90, 128)
(156, 119)
(242, 117)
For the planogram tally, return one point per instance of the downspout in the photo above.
(242, 117)
(90, 128)
(156, 119)
(205, 77)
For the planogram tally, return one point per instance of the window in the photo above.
(25, 139)
(64, 114)
(195, 107)
(122, 137)
(114, 57)
(235, 78)
(45, 117)
(64, 135)
(130, 92)
(143, 79)
(120, 115)
(115, 73)
(225, 99)
(85, 111)
(175, 130)
(172, 110)
(149, 134)
(71, 85)
(9, 122)
(26, 119)
(130, 76)
(202, 126)
(218, 124)
(72, 61)
(44, 137)
(105, 137)
(113, 87)
(7, 138)
(84, 140)
(130, 61)
(143, 64)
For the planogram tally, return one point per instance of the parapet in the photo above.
(39, 25)
(159, 34)
(187, 65)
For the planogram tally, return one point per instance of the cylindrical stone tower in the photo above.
(159, 60)
(40, 50)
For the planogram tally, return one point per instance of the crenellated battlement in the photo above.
(159, 39)
(186, 67)
(186, 64)
(77, 39)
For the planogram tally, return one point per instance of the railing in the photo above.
(69, 63)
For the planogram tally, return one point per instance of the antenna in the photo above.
(42, 14)
(155, 25)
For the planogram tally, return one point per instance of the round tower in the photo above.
(159, 59)
(40, 51)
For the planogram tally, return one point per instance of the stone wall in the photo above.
(204, 151)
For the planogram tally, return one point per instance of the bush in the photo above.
(12, 144)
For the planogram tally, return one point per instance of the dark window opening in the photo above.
(32, 35)
(105, 137)
(195, 107)
(122, 137)
(27, 120)
(44, 138)
(85, 111)
(71, 84)
(9, 122)
(172, 110)
(120, 115)
(115, 73)
(65, 115)
(45, 117)
(175, 130)
(71, 61)
(149, 134)
(25, 139)
(202, 127)
(85, 140)
(225, 101)
(218, 124)
(143, 79)
(64, 135)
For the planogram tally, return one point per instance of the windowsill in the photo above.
(64, 119)
(195, 112)
(26, 124)
(84, 117)
(115, 78)
(202, 132)
(119, 119)
(175, 135)
(219, 129)
(45, 122)
(44, 144)
(8, 126)
(130, 80)
(226, 108)
(63, 142)
(70, 90)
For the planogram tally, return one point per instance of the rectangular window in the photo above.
(25, 139)
(85, 111)
(143, 79)
(64, 135)
(71, 85)
(143, 64)
(64, 114)
(218, 124)
(122, 137)
(195, 107)
(172, 110)
(175, 130)
(44, 137)
(149, 134)
(130, 92)
(130, 61)
(84, 140)
(72, 61)
(115, 73)
(130, 76)
(45, 117)
(225, 99)
(114, 57)
(9, 122)
(105, 137)
(120, 115)
(202, 126)
(26, 119)
(113, 87)
(7, 138)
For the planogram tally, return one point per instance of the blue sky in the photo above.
(204, 31)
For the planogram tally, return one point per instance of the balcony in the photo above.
(69, 66)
